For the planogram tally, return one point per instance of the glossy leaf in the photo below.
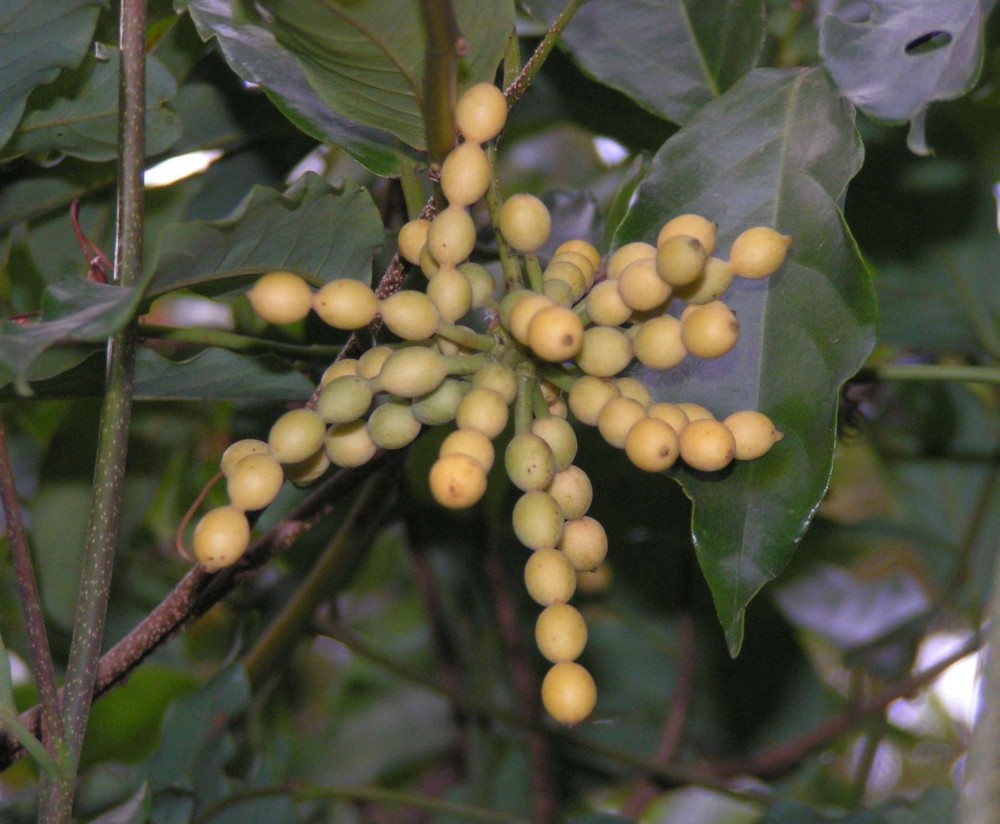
(365, 58)
(902, 56)
(778, 149)
(670, 56)
(37, 41)
(78, 114)
(319, 231)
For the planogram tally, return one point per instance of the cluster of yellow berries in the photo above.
(556, 348)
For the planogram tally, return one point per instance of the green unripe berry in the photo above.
(606, 351)
(525, 223)
(410, 315)
(392, 425)
(281, 297)
(573, 491)
(657, 342)
(617, 417)
(482, 283)
(529, 462)
(412, 372)
(560, 633)
(238, 450)
(569, 693)
(555, 334)
(652, 445)
(481, 112)
(559, 435)
(549, 577)
(412, 239)
(680, 259)
(345, 399)
(605, 306)
(296, 435)
(465, 174)
(558, 291)
(584, 542)
(710, 331)
(499, 377)
(538, 520)
(349, 444)
(452, 236)
(627, 254)
(254, 482)
(640, 286)
(715, 278)
(758, 252)
(457, 481)
(707, 445)
(754, 433)
(221, 537)
(588, 395)
(451, 293)
(692, 225)
(469, 442)
(483, 409)
(308, 471)
(440, 406)
(346, 304)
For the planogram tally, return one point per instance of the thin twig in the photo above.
(515, 91)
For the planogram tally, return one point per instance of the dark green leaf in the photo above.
(901, 57)
(37, 40)
(365, 58)
(6, 682)
(319, 231)
(40, 192)
(78, 115)
(670, 56)
(255, 55)
(935, 806)
(778, 149)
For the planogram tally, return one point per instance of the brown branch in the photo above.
(198, 591)
(515, 91)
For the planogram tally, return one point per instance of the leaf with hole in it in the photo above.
(365, 58)
(37, 41)
(78, 114)
(670, 56)
(893, 58)
(778, 149)
(319, 231)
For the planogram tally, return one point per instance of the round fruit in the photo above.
(346, 304)
(558, 291)
(580, 261)
(481, 112)
(754, 433)
(221, 537)
(296, 435)
(560, 633)
(710, 331)
(499, 377)
(481, 282)
(707, 445)
(371, 362)
(451, 293)
(758, 252)
(412, 372)
(523, 312)
(584, 542)
(349, 444)
(652, 445)
(308, 471)
(669, 413)
(693, 225)
(469, 442)
(617, 417)
(465, 174)
(344, 366)
(555, 334)
(560, 437)
(549, 577)
(281, 297)
(457, 481)
(594, 581)
(428, 265)
(695, 412)
(680, 259)
(606, 351)
(525, 223)
(538, 520)
(573, 491)
(627, 254)
(344, 399)
(634, 389)
(581, 247)
(412, 238)
(716, 277)
(254, 482)
(482, 409)
(571, 274)
(657, 342)
(588, 395)
(569, 693)
(441, 405)
(238, 450)
(392, 425)
(529, 462)
(410, 315)
(640, 286)
(451, 236)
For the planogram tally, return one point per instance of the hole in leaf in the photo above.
(926, 43)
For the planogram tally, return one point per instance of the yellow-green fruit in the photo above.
(573, 491)
(346, 304)
(281, 297)
(758, 252)
(451, 236)
(569, 693)
(465, 174)
(605, 306)
(392, 425)
(441, 405)
(457, 481)
(555, 334)
(606, 351)
(410, 315)
(499, 377)
(695, 412)
(560, 633)
(584, 542)
(657, 342)
(469, 442)
(754, 433)
(349, 444)
(524, 310)
(238, 450)
(509, 302)
(680, 259)
(483, 409)
(617, 417)
(254, 482)
(707, 445)
(669, 413)
(371, 362)
(591, 582)
(308, 471)
(693, 225)
(537, 520)
(412, 238)
(559, 435)
(221, 537)
(529, 462)
(652, 445)
(715, 278)
(481, 112)
(580, 261)
(588, 395)
(710, 331)
(482, 283)
(428, 265)
(580, 247)
(640, 286)
(568, 272)
(634, 389)
(412, 372)
(627, 254)
(549, 577)
(558, 291)
(339, 368)
(296, 435)
(451, 293)
(344, 399)
(525, 223)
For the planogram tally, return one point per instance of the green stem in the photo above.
(515, 90)
(413, 192)
(527, 382)
(373, 795)
(465, 364)
(235, 342)
(13, 725)
(508, 258)
(931, 372)
(444, 45)
(534, 272)
(512, 59)
(464, 336)
(564, 380)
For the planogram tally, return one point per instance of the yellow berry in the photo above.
(457, 481)
(412, 239)
(605, 306)
(412, 371)
(538, 520)
(641, 287)
(584, 542)
(308, 471)
(481, 112)
(465, 174)
(525, 223)
(569, 693)
(555, 334)
(451, 236)
(281, 297)
(560, 437)
(707, 445)
(754, 433)
(657, 342)
(349, 444)
(483, 409)
(451, 293)
(238, 450)
(588, 395)
(758, 252)
(346, 304)
(693, 225)
(572, 490)
(715, 278)
(669, 413)
(524, 310)
(549, 577)
(296, 435)
(627, 254)
(254, 482)
(581, 247)
(469, 442)
(617, 417)
(221, 537)
(560, 633)
(529, 462)
(392, 425)
(410, 315)
(710, 331)
(680, 259)
(605, 352)
(499, 377)
(652, 445)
